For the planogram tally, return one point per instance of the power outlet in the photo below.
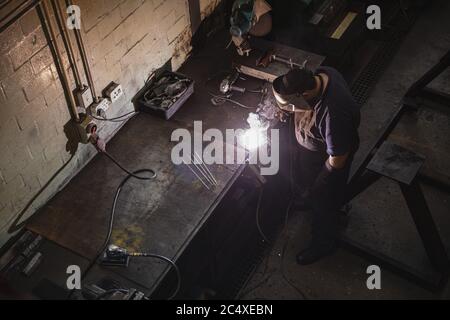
(113, 92)
(100, 108)
(83, 97)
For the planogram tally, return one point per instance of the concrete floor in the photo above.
(379, 212)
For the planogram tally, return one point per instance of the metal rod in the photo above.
(84, 59)
(202, 170)
(197, 176)
(5, 3)
(207, 169)
(53, 43)
(67, 42)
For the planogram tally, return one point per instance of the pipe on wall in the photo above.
(84, 59)
(17, 13)
(50, 32)
(67, 42)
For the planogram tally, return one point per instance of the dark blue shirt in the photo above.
(336, 120)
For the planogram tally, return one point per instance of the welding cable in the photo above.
(131, 174)
(167, 260)
(284, 231)
(118, 118)
(288, 210)
(113, 210)
(258, 225)
(111, 225)
(107, 240)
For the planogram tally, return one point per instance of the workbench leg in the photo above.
(425, 225)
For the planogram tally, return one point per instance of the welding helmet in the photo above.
(241, 17)
(289, 88)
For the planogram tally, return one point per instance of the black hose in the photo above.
(116, 197)
(113, 209)
(169, 261)
(258, 207)
(130, 175)
(150, 255)
(120, 118)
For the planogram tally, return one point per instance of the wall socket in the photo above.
(100, 108)
(113, 92)
(83, 97)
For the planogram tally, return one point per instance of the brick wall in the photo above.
(125, 39)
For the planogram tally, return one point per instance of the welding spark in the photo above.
(253, 138)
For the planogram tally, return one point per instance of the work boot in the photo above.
(314, 253)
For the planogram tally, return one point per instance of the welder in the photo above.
(327, 119)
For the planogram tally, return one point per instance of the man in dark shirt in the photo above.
(326, 120)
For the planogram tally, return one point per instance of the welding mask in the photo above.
(288, 101)
(241, 17)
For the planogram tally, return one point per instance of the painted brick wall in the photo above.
(125, 39)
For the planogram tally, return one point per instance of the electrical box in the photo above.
(83, 97)
(113, 92)
(86, 128)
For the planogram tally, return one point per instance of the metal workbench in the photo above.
(160, 216)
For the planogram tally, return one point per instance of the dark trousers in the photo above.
(325, 199)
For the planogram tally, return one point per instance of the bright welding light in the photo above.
(253, 138)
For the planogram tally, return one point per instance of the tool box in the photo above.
(164, 93)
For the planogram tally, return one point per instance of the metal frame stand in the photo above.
(418, 96)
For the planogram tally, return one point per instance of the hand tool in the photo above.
(227, 85)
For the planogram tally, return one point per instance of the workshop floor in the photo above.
(380, 208)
